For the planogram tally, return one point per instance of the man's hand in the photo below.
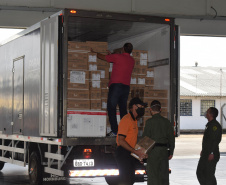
(170, 157)
(141, 153)
(211, 157)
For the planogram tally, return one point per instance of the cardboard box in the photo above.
(95, 84)
(103, 63)
(95, 104)
(95, 75)
(77, 76)
(77, 65)
(78, 85)
(78, 94)
(150, 72)
(74, 55)
(149, 81)
(104, 73)
(78, 104)
(141, 70)
(95, 94)
(104, 104)
(98, 46)
(104, 93)
(140, 54)
(104, 83)
(92, 67)
(133, 79)
(79, 46)
(86, 123)
(92, 57)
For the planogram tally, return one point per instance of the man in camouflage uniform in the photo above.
(210, 154)
(160, 130)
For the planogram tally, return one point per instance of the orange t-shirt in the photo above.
(128, 127)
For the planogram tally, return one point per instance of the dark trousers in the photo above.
(206, 172)
(126, 165)
(117, 95)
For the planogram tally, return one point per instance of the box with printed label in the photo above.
(86, 123)
(78, 104)
(92, 57)
(72, 85)
(104, 73)
(78, 94)
(150, 72)
(95, 84)
(104, 103)
(95, 75)
(77, 76)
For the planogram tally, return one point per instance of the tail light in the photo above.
(87, 153)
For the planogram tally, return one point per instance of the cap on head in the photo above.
(155, 105)
(135, 101)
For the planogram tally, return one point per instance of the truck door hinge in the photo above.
(13, 70)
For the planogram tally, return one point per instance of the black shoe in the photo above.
(111, 134)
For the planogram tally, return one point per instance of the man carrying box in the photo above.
(126, 141)
(119, 84)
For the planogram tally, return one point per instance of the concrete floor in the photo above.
(183, 166)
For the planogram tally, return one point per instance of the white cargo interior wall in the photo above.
(197, 122)
(157, 42)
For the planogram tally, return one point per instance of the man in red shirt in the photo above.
(119, 85)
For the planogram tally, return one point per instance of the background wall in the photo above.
(197, 122)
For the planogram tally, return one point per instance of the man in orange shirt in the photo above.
(126, 141)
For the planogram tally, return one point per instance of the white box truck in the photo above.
(36, 126)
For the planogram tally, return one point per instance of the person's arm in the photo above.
(171, 138)
(99, 55)
(122, 142)
(215, 140)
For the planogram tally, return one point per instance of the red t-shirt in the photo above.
(122, 68)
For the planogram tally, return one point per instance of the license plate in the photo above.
(83, 162)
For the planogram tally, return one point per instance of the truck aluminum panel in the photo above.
(49, 77)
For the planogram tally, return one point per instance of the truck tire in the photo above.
(112, 180)
(35, 169)
(1, 165)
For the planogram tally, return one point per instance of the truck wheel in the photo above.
(35, 169)
(1, 165)
(112, 180)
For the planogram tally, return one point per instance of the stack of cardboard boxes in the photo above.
(88, 79)
(142, 86)
(87, 75)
